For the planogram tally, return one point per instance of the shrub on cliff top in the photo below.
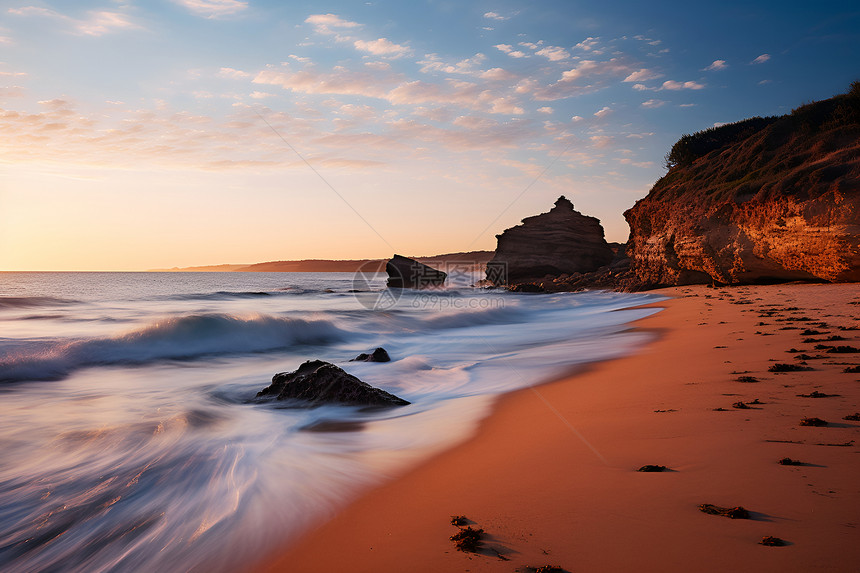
(692, 146)
(838, 111)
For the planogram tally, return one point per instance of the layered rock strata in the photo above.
(562, 241)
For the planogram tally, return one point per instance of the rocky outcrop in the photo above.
(317, 383)
(404, 272)
(378, 355)
(614, 276)
(562, 241)
(765, 200)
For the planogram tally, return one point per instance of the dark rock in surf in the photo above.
(318, 383)
(404, 272)
(378, 355)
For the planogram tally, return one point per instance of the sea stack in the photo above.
(562, 241)
(404, 272)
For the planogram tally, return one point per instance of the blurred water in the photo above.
(129, 432)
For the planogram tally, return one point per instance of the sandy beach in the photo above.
(551, 476)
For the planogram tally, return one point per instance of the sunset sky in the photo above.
(160, 133)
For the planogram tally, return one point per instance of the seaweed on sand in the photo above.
(842, 350)
(730, 512)
(787, 368)
(816, 394)
(652, 468)
(468, 539)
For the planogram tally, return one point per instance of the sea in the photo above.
(131, 437)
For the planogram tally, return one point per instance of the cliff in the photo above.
(763, 200)
(562, 241)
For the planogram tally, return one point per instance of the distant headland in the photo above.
(474, 260)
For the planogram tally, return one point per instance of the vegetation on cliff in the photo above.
(764, 150)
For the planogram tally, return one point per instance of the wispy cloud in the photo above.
(589, 45)
(104, 22)
(329, 23)
(467, 66)
(761, 59)
(213, 8)
(509, 50)
(497, 75)
(393, 88)
(602, 141)
(495, 16)
(603, 112)
(97, 23)
(716, 66)
(382, 47)
(642, 75)
(553, 53)
(338, 81)
(463, 94)
(11, 92)
(232, 74)
(587, 76)
(653, 103)
(672, 85)
(34, 11)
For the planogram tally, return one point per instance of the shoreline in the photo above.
(551, 474)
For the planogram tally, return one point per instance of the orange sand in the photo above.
(551, 477)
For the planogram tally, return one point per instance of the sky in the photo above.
(152, 134)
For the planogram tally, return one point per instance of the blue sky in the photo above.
(182, 132)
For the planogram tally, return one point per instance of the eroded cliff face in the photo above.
(562, 241)
(781, 203)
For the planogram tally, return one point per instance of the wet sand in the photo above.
(551, 475)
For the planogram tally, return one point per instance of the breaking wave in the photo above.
(175, 338)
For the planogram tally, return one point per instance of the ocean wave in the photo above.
(175, 338)
(30, 301)
(481, 317)
(219, 295)
(234, 295)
